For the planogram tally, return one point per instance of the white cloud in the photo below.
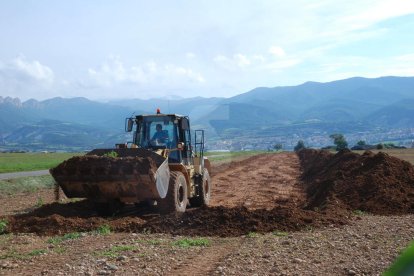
(241, 60)
(237, 61)
(350, 66)
(341, 22)
(190, 55)
(20, 67)
(113, 72)
(377, 11)
(258, 62)
(23, 78)
(277, 51)
(283, 64)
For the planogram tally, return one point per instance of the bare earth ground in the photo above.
(367, 245)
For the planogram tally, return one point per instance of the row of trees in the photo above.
(341, 143)
(338, 139)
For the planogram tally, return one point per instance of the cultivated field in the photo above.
(15, 162)
(264, 220)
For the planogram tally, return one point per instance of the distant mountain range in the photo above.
(350, 106)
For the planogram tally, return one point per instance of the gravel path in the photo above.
(4, 176)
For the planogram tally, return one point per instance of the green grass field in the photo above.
(15, 162)
(218, 157)
(25, 184)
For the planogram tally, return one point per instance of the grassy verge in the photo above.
(15, 162)
(188, 242)
(25, 184)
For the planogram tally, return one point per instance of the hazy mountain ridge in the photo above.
(350, 105)
(350, 100)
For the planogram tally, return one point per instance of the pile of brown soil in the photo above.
(95, 168)
(376, 183)
(225, 222)
(57, 219)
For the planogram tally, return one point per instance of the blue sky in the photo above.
(145, 49)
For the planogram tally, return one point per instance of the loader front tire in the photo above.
(176, 199)
(204, 192)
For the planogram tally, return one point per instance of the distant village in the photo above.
(398, 137)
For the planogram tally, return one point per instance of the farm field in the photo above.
(263, 220)
(15, 162)
(404, 154)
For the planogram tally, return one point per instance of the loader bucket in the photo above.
(133, 175)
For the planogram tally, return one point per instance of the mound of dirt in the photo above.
(226, 222)
(57, 219)
(376, 183)
(96, 168)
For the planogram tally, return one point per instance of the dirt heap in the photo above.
(376, 183)
(56, 219)
(102, 167)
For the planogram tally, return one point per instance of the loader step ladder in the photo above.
(199, 143)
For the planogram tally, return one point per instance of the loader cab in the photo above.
(162, 131)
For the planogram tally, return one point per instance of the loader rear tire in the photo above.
(204, 193)
(176, 199)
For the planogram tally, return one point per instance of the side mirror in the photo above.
(129, 124)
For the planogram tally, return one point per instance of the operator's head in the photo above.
(159, 127)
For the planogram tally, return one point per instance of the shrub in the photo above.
(300, 145)
(3, 226)
(111, 154)
(339, 141)
(103, 230)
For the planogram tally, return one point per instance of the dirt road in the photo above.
(4, 176)
(259, 182)
(256, 226)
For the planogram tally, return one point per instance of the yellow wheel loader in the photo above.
(161, 165)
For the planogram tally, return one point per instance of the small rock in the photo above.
(104, 272)
(275, 269)
(112, 267)
(351, 272)
(122, 258)
(297, 261)
(101, 261)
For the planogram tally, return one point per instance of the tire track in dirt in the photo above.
(206, 262)
(259, 182)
